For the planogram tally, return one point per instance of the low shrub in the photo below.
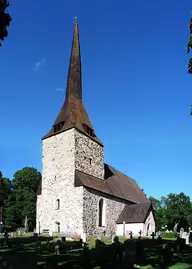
(169, 235)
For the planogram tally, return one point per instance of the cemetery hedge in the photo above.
(169, 235)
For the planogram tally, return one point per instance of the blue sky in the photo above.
(135, 85)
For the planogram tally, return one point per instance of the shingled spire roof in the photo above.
(73, 113)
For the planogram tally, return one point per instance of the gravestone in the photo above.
(63, 239)
(127, 234)
(131, 235)
(175, 227)
(165, 254)
(97, 243)
(187, 238)
(35, 236)
(153, 235)
(118, 248)
(81, 244)
(158, 233)
(47, 242)
(38, 244)
(57, 248)
(181, 232)
(20, 245)
(111, 236)
(83, 237)
(129, 254)
(112, 240)
(140, 233)
(99, 237)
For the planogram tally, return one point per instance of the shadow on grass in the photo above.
(148, 252)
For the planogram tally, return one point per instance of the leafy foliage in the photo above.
(159, 207)
(5, 19)
(169, 235)
(20, 201)
(10, 217)
(5, 188)
(189, 47)
(178, 210)
(173, 209)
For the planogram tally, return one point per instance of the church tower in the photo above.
(70, 145)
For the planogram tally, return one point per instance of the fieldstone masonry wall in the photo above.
(89, 156)
(113, 208)
(79, 207)
(58, 183)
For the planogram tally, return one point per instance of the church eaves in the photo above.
(73, 113)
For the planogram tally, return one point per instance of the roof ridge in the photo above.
(89, 175)
(122, 173)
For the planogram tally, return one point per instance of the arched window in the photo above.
(57, 204)
(101, 213)
(57, 223)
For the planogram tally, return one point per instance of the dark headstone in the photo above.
(153, 235)
(118, 247)
(97, 243)
(63, 239)
(38, 244)
(57, 248)
(36, 237)
(130, 251)
(130, 234)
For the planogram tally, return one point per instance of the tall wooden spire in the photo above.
(74, 83)
(73, 113)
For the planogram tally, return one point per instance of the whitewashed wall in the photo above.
(134, 227)
(147, 228)
(150, 222)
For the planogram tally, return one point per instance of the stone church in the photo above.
(79, 193)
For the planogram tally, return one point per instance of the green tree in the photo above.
(159, 207)
(188, 49)
(6, 191)
(5, 187)
(178, 210)
(25, 184)
(5, 19)
(11, 220)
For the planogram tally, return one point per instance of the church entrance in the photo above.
(148, 229)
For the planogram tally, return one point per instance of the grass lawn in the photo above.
(149, 255)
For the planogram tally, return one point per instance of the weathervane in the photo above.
(75, 18)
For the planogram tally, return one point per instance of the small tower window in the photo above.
(90, 160)
(58, 204)
(58, 126)
(57, 224)
(88, 130)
